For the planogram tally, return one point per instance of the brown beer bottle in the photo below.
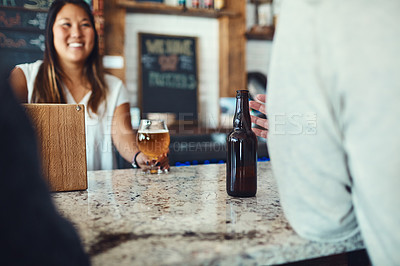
(241, 163)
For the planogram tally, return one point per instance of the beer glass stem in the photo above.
(153, 168)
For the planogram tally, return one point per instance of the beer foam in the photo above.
(153, 131)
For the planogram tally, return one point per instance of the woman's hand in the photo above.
(163, 162)
(124, 139)
(144, 162)
(263, 132)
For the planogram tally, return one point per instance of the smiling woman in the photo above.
(72, 72)
(73, 35)
(62, 68)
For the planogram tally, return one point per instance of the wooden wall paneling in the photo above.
(114, 32)
(224, 85)
(237, 47)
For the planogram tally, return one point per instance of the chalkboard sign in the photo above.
(168, 75)
(22, 25)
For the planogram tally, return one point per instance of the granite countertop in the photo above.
(185, 218)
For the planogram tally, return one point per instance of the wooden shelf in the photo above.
(261, 1)
(160, 8)
(261, 33)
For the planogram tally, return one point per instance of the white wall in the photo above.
(258, 52)
(207, 31)
(258, 55)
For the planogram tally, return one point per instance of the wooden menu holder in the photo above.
(60, 130)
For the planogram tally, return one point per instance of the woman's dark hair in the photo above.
(48, 83)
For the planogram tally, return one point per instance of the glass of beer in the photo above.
(153, 141)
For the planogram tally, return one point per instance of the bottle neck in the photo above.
(242, 118)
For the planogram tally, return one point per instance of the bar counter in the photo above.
(186, 218)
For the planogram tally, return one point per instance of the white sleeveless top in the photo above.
(99, 147)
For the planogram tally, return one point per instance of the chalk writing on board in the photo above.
(172, 80)
(39, 42)
(9, 21)
(8, 3)
(22, 40)
(6, 42)
(168, 63)
(30, 4)
(155, 46)
(148, 61)
(23, 19)
(186, 62)
(39, 21)
(38, 4)
(160, 46)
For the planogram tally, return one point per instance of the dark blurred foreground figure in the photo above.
(33, 233)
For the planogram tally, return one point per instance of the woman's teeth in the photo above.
(75, 44)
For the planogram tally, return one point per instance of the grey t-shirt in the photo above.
(333, 105)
